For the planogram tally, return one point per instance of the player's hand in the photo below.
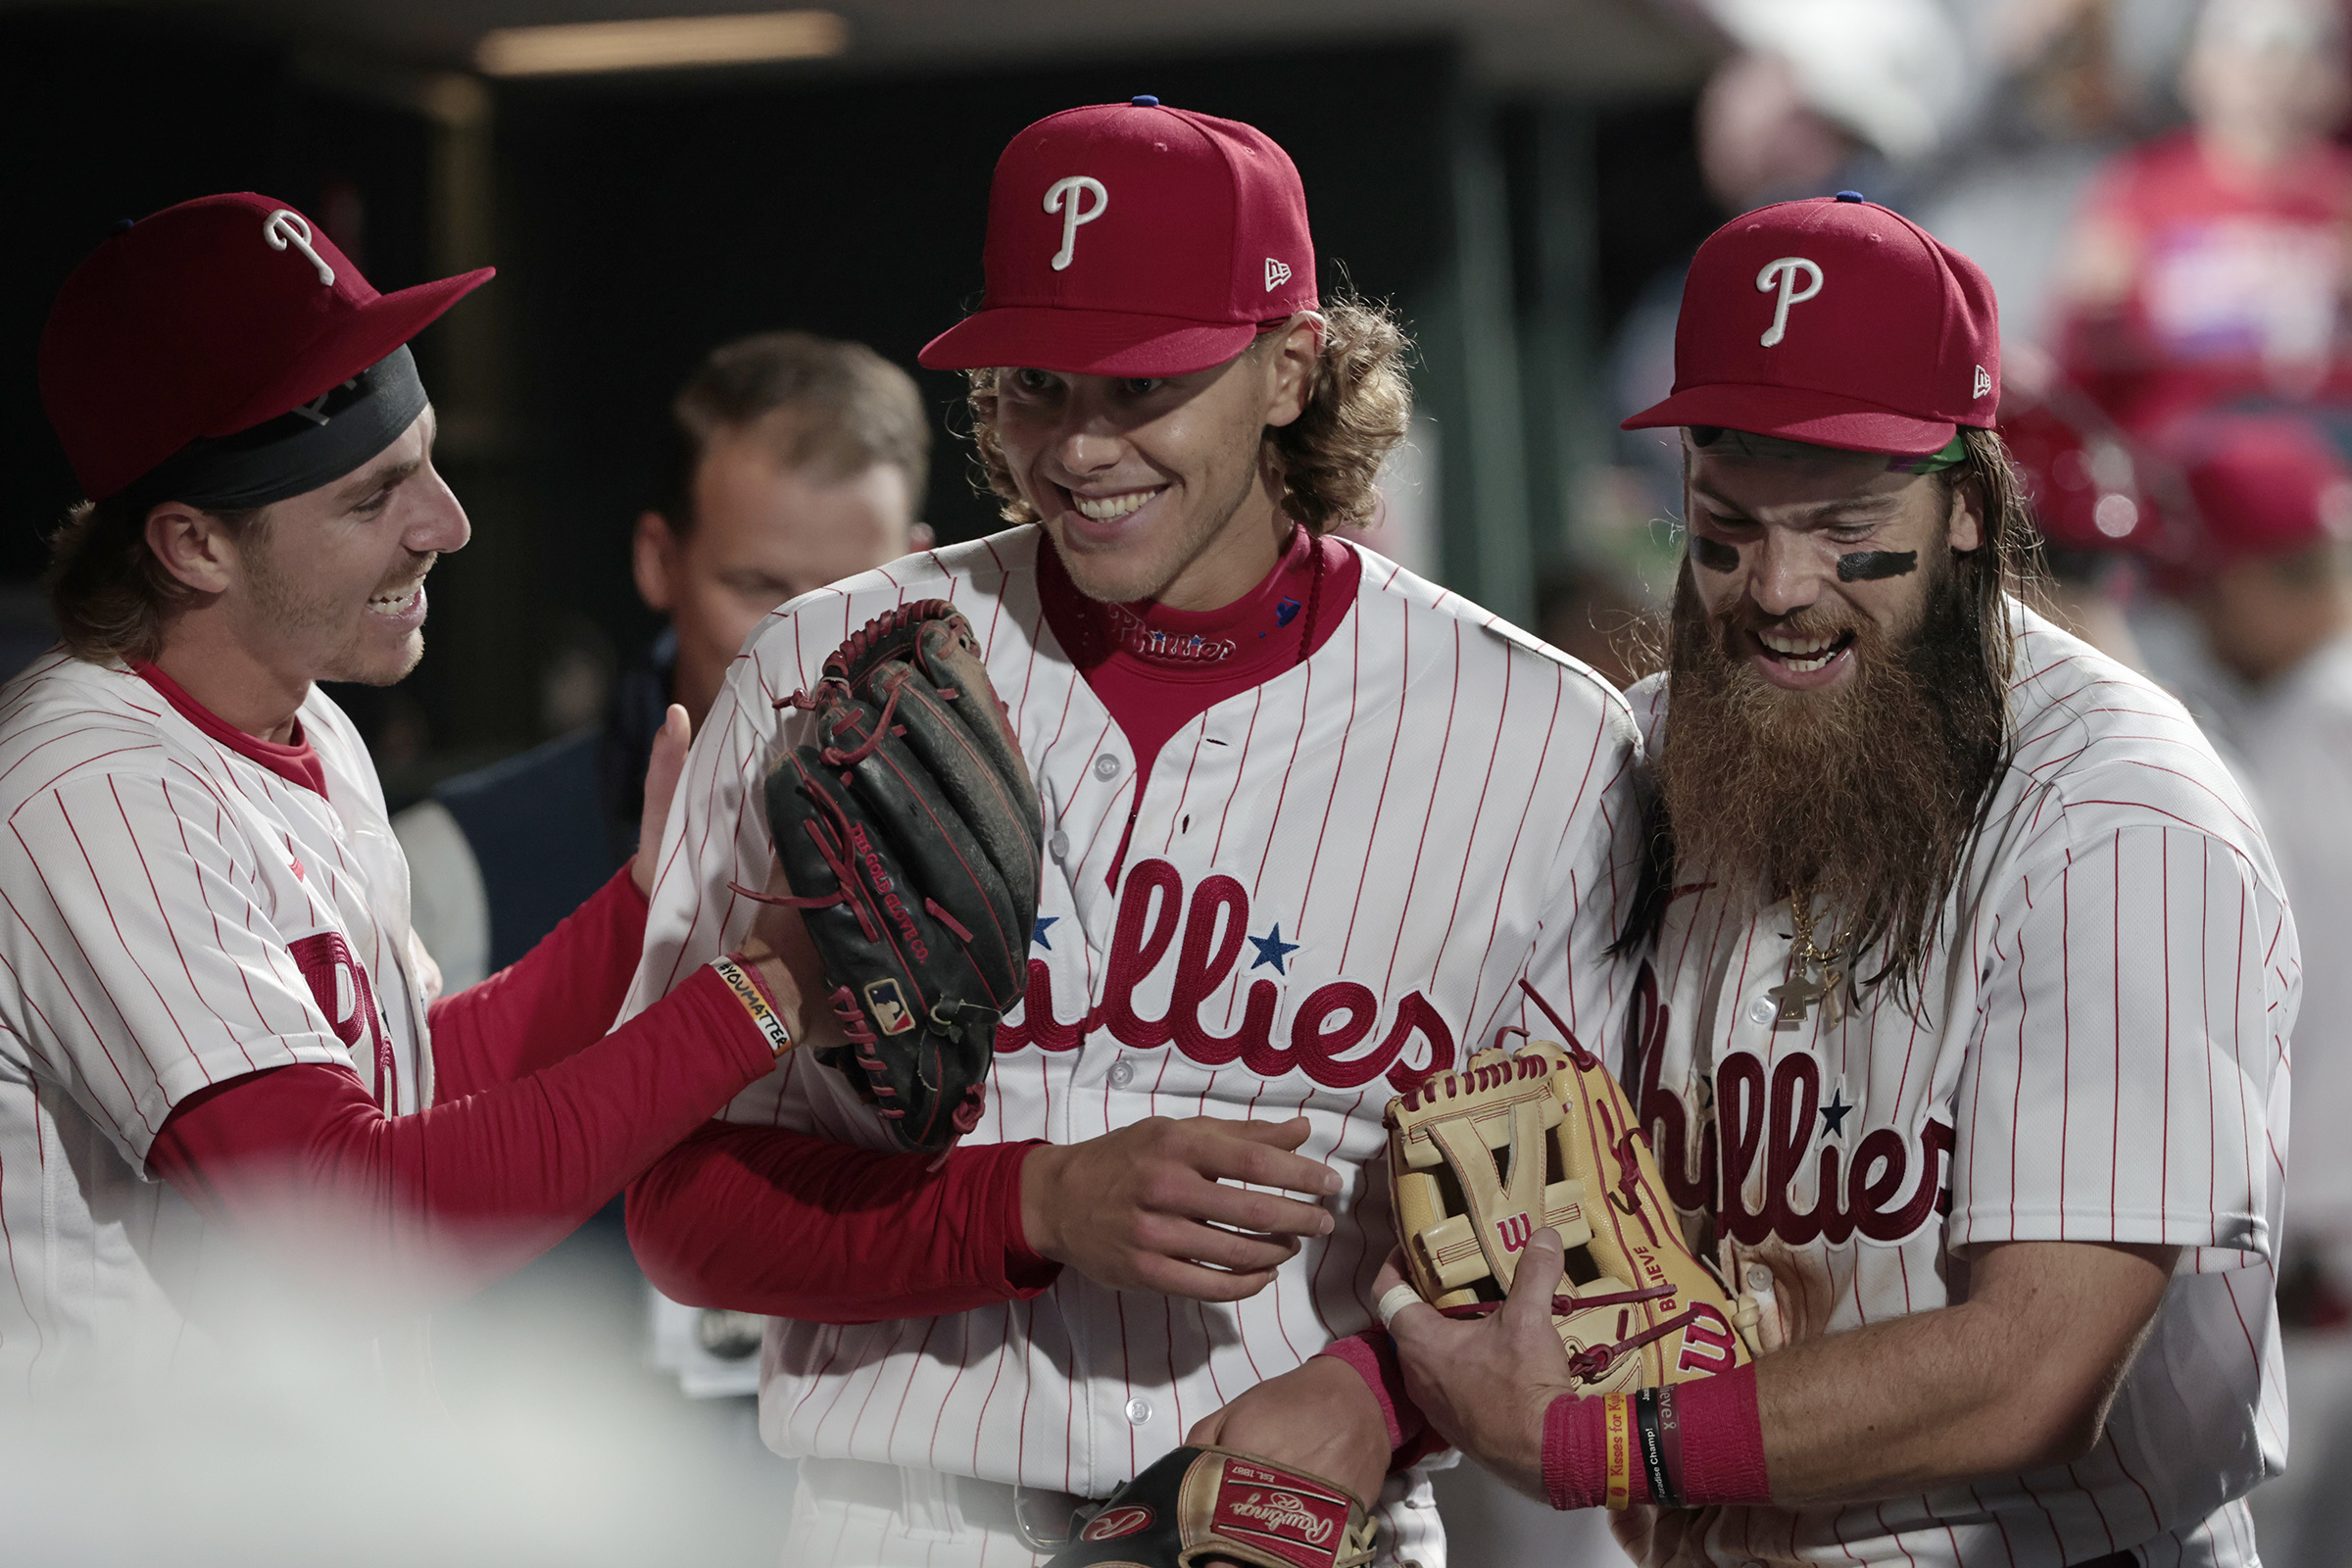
(1153, 1206)
(779, 946)
(1484, 1383)
(1318, 1417)
(661, 785)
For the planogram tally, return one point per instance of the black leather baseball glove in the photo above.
(908, 833)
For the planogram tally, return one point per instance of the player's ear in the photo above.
(920, 537)
(1964, 520)
(1293, 368)
(193, 544)
(653, 561)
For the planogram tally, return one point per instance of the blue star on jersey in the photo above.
(1834, 1113)
(1038, 936)
(1271, 948)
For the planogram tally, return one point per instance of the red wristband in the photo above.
(1723, 1441)
(1722, 1458)
(1376, 1365)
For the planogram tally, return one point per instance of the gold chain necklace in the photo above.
(1801, 988)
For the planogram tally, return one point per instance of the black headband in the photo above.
(301, 450)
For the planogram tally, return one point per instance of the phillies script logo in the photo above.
(1329, 1036)
(339, 985)
(1771, 1119)
(1514, 1231)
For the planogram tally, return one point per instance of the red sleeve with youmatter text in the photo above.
(760, 1219)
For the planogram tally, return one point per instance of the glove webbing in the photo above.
(1626, 1197)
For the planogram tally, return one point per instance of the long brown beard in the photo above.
(1869, 794)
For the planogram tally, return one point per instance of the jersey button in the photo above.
(1138, 1410)
(1122, 1074)
(1107, 767)
(1059, 845)
(1761, 1011)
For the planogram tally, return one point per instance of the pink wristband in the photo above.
(1721, 1446)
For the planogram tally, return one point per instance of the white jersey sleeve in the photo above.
(145, 968)
(2127, 1082)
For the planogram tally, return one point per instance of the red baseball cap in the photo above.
(1837, 322)
(2264, 484)
(1135, 239)
(208, 319)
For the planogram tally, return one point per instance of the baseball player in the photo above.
(1307, 821)
(223, 1066)
(1963, 1033)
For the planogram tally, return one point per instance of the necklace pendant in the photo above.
(1796, 996)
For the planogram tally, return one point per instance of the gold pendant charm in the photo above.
(1796, 996)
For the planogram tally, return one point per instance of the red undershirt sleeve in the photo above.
(399, 1213)
(758, 1219)
(557, 999)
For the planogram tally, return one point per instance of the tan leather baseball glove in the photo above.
(1481, 1157)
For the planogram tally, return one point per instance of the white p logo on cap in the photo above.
(286, 227)
(1783, 275)
(1063, 197)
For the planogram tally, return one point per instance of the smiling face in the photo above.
(1834, 713)
(1806, 556)
(330, 585)
(1156, 487)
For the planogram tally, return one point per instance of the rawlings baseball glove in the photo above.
(1480, 1158)
(1203, 1503)
(908, 833)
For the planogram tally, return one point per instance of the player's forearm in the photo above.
(2018, 1377)
(398, 1212)
(760, 1219)
(556, 999)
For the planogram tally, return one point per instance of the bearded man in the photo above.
(1962, 1036)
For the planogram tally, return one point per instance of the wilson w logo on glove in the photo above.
(1481, 1158)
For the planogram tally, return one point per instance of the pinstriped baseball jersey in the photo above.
(1333, 883)
(172, 914)
(2102, 1056)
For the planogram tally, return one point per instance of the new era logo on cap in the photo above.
(1835, 322)
(1134, 239)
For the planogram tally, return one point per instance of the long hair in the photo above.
(1323, 464)
(1972, 693)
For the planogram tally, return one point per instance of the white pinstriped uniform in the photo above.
(172, 915)
(1336, 877)
(2103, 1057)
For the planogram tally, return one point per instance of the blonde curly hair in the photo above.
(1322, 463)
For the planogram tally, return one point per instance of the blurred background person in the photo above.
(2088, 488)
(2211, 264)
(801, 461)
